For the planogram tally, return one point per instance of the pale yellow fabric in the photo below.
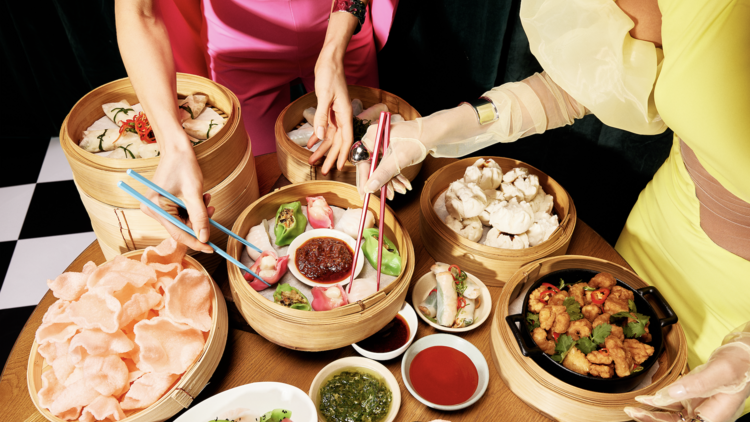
(703, 94)
(584, 45)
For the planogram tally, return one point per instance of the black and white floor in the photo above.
(43, 228)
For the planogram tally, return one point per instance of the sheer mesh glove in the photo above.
(715, 391)
(525, 108)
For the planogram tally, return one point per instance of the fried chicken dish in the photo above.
(592, 328)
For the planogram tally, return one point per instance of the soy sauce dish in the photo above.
(445, 372)
(393, 339)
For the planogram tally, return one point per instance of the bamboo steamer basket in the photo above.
(293, 159)
(492, 265)
(98, 175)
(309, 330)
(127, 229)
(192, 382)
(551, 396)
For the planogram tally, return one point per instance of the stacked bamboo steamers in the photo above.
(226, 161)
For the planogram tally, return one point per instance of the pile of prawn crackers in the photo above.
(122, 334)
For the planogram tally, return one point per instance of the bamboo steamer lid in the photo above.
(309, 330)
(98, 175)
(551, 396)
(192, 382)
(492, 265)
(293, 159)
(127, 229)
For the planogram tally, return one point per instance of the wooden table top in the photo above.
(250, 358)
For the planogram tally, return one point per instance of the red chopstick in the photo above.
(383, 197)
(373, 164)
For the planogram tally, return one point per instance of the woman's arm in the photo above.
(144, 45)
(334, 105)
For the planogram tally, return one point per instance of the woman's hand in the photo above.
(715, 391)
(333, 117)
(178, 173)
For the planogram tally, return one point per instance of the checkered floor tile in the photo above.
(43, 228)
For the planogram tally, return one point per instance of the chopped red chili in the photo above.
(542, 294)
(456, 275)
(461, 302)
(556, 336)
(604, 351)
(551, 287)
(599, 296)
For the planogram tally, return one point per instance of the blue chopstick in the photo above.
(135, 194)
(178, 201)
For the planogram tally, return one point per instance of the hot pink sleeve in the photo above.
(382, 12)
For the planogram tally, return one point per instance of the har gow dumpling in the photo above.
(465, 200)
(119, 112)
(192, 106)
(258, 236)
(470, 228)
(99, 140)
(361, 289)
(349, 222)
(302, 135)
(202, 129)
(513, 218)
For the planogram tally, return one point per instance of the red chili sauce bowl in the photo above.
(324, 260)
(445, 372)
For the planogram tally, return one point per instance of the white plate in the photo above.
(459, 344)
(304, 237)
(408, 313)
(256, 399)
(428, 282)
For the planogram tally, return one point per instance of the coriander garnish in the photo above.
(120, 110)
(210, 126)
(101, 139)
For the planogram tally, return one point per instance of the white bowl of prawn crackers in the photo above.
(134, 339)
(247, 403)
(428, 283)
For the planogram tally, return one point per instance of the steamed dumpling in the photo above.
(487, 174)
(203, 129)
(148, 150)
(517, 172)
(493, 206)
(99, 140)
(529, 186)
(130, 151)
(511, 191)
(514, 218)
(349, 222)
(465, 200)
(192, 106)
(470, 228)
(542, 228)
(119, 112)
(542, 202)
(499, 240)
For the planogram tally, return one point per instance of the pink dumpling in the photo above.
(319, 214)
(327, 298)
(269, 268)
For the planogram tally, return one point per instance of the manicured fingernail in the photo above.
(320, 132)
(677, 391)
(203, 237)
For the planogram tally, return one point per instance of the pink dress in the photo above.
(257, 47)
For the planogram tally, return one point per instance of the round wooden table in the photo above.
(250, 358)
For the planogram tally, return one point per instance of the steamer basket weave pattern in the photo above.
(317, 331)
(293, 158)
(181, 395)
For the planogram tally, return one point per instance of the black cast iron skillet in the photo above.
(587, 382)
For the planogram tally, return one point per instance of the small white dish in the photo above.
(459, 344)
(304, 237)
(252, 401)
(355, 363)
(410, 316)
(428, 282)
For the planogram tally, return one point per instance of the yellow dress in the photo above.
(703, 95)
(698, 86)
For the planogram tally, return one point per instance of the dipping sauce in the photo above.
(388, 339)
(325, 259)
(355, 396)
(443, 375)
